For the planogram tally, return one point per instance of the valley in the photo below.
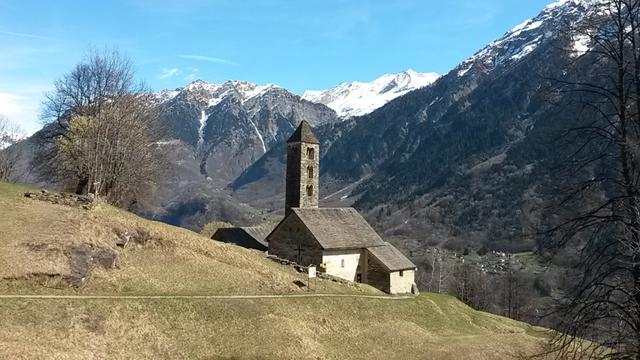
(503, 188)
(457, 162)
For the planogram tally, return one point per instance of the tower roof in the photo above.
(303, 134)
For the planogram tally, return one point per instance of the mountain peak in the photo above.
(528, 36)
(208, 94)
(360, 98)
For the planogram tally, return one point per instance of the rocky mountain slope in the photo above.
(358, 98)
(472, 154)
(231, 125)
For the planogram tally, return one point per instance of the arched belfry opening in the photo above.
(303, 164)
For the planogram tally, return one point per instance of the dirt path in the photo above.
(136, 297)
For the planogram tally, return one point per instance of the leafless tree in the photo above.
(98, 80)
(10, 134)
(114, 150)
(598, 212)
(101, 130)
(439, 271)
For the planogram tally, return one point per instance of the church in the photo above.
(337, 240)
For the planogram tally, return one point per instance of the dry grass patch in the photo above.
(318, 328)
(46, 247)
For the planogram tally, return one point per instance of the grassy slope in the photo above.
(36, 249)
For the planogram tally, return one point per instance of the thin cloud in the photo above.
(193, 74)
(169, 73)
(25, 35)
(210, 59)
(21, 109)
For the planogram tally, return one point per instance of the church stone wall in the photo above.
(302, 175)
(377, 275)
(307, 182)
(292, 191)
(291, 240)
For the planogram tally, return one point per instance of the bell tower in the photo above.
(303, 165)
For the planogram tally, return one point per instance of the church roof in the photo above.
(248, 237)
(303, 134)
(338, 228)
(391, 257)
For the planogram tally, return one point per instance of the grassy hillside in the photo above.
(48, 249)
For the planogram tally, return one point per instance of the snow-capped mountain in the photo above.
(360, 98)
(230, 125)
(201, 96)
(209, 94)
(526, 37)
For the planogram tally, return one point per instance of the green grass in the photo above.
(35, 256)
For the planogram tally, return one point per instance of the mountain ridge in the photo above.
(356, 98)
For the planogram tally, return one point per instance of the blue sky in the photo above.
(298, 44)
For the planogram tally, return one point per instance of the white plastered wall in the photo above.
(334, 260)
(402, 284)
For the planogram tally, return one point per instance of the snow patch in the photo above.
(528, 25)
(166, 95)
(526, 50)
(264, 147)
(581, 44)
(167, 142)
(259, 91)
(203, 123)
(464, 70)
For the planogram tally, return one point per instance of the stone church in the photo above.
(337, 240)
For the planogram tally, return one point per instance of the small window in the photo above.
(401, 273)
(310, 153)
(310, 190)
(310, 172)
(342, 263)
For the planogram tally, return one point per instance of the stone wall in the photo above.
(377, 275)
(402, 284)
(291, 240)
(292, 179)
(302, 176)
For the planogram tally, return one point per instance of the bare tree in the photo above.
(102, 77)
(114, 151)
(439, 271)
(10, 134)
(102, 128)
(599, 213)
